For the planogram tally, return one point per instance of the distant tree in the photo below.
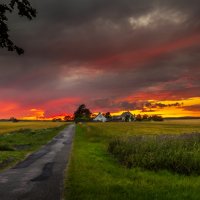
(67, 118)
(82, 114)
(157, 118)
(145, 117)
(57, 120)
(24, 9)
(138, 117)
(150, 118)
(108, 115)
(13, 119)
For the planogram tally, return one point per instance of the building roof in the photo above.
(100, 115)
(124, 114)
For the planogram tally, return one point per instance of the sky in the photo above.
(136, 55)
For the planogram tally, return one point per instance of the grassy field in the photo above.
(17, 140)
(94, 173)
(6, 127)
(176, 153)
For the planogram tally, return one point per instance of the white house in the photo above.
(100, 118)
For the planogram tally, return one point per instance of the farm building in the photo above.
(127, 116)
(100, 118)
(116, 118)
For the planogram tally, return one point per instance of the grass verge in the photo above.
(15, 146)
(94, 174)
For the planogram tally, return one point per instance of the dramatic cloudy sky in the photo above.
(112, 55)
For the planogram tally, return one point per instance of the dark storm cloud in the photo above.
(79, 11)
(84, 30)
(73, 48)
(73, 11)
(118, 105)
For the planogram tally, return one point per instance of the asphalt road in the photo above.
(41, 175)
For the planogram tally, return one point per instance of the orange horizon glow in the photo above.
(168, 111)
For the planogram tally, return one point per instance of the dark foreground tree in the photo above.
(24, 9)
(82, 114)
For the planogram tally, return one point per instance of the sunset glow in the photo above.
(168, 108)
(114, 57)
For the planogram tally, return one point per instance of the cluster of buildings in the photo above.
(125, 116)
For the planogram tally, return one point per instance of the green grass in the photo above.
(176, 153)
(95, 174)
(16, 145)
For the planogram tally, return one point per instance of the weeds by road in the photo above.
(16, 145)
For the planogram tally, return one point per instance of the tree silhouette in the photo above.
(157, 118)
(13, 119)
(67, 118)
(24, 9)
(145, 117)
(108, 115)
(82, 113)
(138, 117)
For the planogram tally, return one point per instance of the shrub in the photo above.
(157, 118)
(13, 119)
(6, 147)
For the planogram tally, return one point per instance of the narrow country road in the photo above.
(41, 175)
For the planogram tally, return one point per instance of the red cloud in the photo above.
(146, 54)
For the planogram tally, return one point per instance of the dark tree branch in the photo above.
(25, 10)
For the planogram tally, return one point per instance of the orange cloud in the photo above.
(172, 108)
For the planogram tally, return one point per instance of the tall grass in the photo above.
(176, 153)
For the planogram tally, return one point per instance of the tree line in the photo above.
(83, 114)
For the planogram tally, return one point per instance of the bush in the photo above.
(138, 117)
(157, 118)
(176, 153)
(6, 147)
(13, 119)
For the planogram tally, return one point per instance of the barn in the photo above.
(127, 116)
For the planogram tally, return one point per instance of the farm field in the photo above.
(96, 173)
(17, 140)
(6, 127)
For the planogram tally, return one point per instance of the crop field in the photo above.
(6, 127)
(17, 140)
(137, 160)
